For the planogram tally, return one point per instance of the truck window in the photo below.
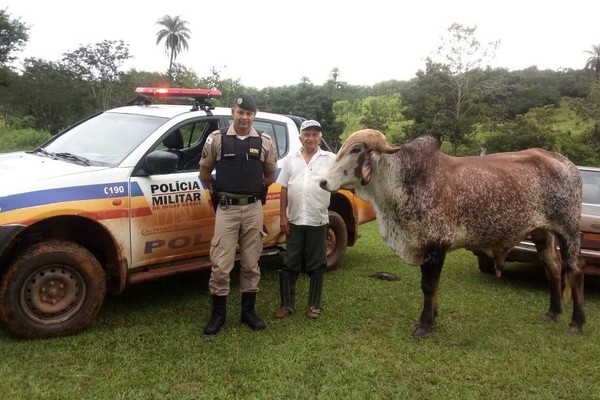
(277, 131)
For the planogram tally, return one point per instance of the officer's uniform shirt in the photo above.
(307, 201)
(211, 153)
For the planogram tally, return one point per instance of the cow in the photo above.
(429, 203)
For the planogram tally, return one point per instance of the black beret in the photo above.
(245, 102)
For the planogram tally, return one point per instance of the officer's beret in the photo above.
(245, 102)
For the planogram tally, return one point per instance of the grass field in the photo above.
(147, 343)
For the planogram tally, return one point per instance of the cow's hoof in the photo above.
(549, 317)
(421, 332)
(574, 328)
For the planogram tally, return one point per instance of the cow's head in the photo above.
(356, 160)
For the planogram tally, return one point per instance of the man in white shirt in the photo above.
(304, 218)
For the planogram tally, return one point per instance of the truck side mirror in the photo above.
(161, 162)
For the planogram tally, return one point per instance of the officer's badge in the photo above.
(253, 150)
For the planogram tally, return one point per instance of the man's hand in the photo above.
(284, 224)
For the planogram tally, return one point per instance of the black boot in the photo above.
(314, 293)
(249, 316)
(217, 319)
(287, 291)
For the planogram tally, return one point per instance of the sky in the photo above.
(266, 43)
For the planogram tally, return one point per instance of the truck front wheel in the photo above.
(54, 288)
(337, 240)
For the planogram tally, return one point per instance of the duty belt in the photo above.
(225, 201)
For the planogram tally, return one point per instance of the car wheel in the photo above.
(486, 264)
(337, 240)
(54, 288)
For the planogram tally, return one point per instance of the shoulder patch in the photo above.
(209, 139)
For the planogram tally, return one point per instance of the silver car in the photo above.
(590, 229)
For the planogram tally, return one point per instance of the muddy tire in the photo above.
(337, 240)
(54, 288)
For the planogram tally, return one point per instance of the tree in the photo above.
(527, 89)
(303, 100)
(98, 69)
(184, 77)
(426, 98)
(589, 108)
(13, 36)
(175, 33)
(334, 83)
(229, 88)
(46, 92)
(534, 129)
(458, 88)
(593, 62)
(134, 79)
(348, 114)
(384, 113)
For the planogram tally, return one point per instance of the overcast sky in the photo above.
(277, 42)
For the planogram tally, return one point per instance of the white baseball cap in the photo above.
(310, 123)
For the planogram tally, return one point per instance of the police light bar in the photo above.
(179, 92)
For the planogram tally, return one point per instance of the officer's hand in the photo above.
(214, 198)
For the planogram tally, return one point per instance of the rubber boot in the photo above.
(314, 293)
(287, 292)
(249, 316)
(217, 319)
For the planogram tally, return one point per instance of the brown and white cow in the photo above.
(428, 203)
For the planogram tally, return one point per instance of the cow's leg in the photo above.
(431, 269)
(545, 244)
(574, 267)
(575, 279)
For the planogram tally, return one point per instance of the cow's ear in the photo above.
(368, 165)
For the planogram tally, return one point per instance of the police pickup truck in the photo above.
(116, 199)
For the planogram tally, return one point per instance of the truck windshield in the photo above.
(105, 139)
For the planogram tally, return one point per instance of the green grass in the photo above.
(567, 120)
(147, 343)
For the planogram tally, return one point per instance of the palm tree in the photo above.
(593, 62)
(175, 34)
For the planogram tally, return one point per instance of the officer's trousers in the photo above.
(235, 225)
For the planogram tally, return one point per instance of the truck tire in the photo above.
(55, 288)
(337, 240)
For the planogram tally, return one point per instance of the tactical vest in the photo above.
(240, 169)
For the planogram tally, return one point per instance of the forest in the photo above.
(469, 107)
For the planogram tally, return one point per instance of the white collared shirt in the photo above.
(307, 202)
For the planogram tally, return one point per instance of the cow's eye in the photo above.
(355, 149)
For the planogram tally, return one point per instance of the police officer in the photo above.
(245, 163)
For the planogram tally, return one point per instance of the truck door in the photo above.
(176, 219)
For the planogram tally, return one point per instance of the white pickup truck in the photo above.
(116, 199)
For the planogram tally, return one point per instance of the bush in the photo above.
(21, 139)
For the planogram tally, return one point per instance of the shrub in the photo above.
(21, 139)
